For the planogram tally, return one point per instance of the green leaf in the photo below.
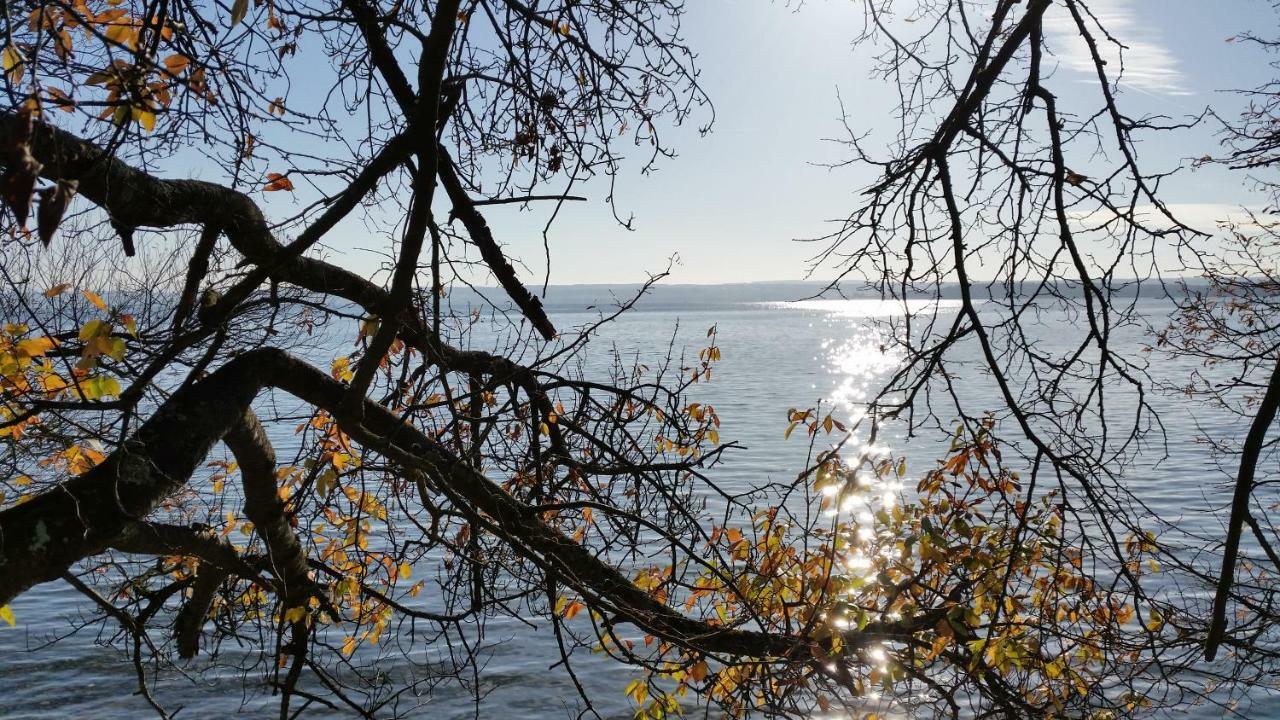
(116, 348)
(100, 386)
(91, 330)
(327, 481)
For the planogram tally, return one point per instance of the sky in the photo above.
(734, 201)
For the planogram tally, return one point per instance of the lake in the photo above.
(776, 355)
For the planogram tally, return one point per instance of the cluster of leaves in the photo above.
(961, 587)
(36, 368)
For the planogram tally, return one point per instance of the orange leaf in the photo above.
(57, 290)
(94, 298)
(572, 609)
(276, 181)
(176, 63)
(61, 99)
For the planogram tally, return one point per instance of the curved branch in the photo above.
(263, 507)
(1249, 454)
(44, 537)
(464, 208)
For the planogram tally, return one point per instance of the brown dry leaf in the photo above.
(276, 181)
(53, 206)
(19, 179)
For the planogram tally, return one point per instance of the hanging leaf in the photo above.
(19, 179)
(177, 63)
(92, 329)
(276, 181)
(146, 118)
(94, 298)
(13, 63)
(57, 290)
(121, 115)
(53, 206)
(99, 387)
(238, 11)
(60, 99)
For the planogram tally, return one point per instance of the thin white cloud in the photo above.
(1208, 218)
(1148, 63)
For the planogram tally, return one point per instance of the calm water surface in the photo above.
(775, 356)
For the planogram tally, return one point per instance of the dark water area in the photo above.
(775, 355)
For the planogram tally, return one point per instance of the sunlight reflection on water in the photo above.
(859, 352)
(868, 307)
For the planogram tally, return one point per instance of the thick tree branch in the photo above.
(465, 210)
(1249, 454)
(80, 518)
(264, 508)
(148, 201)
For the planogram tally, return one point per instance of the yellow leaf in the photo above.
(122, 33)
(349, 646)
(113, 348)
(36, 347)
(342, 370)
(7, 615)
(13, 63)
(146, 118)
(57, 290)
(53, 383)
(94, 298)
(405, 570)
(340, 461)
(1156, 622)
(326, 482)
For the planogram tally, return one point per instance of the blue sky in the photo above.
(733, 202)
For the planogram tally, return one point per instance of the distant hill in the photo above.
(668, 297)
